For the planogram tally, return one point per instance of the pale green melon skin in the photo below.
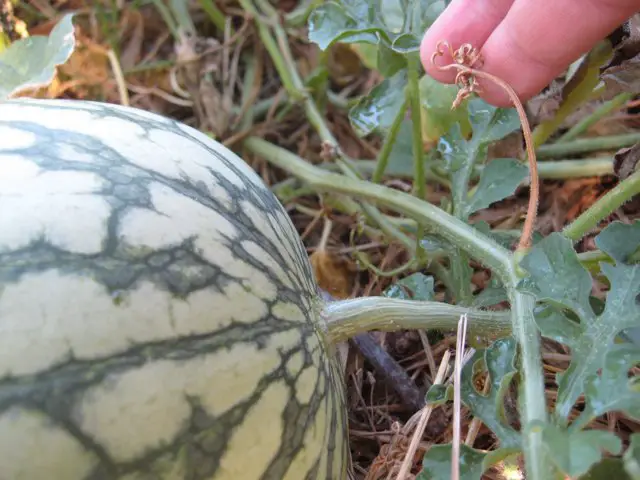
(158, 313)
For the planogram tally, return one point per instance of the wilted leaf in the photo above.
(558, 279)
(624, 77)
(31, 62)
(332, 273)
(575, 452)
(377, 110)
(580, 85)
(625, 161)
(499, 179)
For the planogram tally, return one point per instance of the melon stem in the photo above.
(344, 319)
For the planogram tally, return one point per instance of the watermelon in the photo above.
(158, 312)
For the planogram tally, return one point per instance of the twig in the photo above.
(422, 424)
(455, 450)
(464, 59)
(120, 81)
(390, 370)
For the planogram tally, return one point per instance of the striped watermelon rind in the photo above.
(158, 311)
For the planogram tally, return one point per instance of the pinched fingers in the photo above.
(527, 43)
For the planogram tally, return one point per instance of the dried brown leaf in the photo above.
(334, 274)
(626, 160)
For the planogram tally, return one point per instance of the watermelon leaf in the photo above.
(563, 285)
(31, 62)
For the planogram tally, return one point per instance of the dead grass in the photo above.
(201, 82)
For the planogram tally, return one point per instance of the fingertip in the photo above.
(463, 21)
(431, 62)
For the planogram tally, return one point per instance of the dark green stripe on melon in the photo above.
(158, 309)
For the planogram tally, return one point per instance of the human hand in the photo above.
(526, 43)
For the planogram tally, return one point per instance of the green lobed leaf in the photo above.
(607, 469)
(436, 463)
(620, 240)
(559, 281)
(488, 124)
(491, 123)
(378, 110)
(31, 62)
(557, 276)
(347, 21)
(436, 99)
(419, 15)
(499, 179)
(439, 394)
(575, 452)
(420, 285)
(599, 388)
(398, 24)
(499, 360)
(389, 63)
(555, 325)
(631, 457)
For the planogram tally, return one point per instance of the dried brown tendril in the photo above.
(467, 60)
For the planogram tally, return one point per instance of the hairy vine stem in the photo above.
(481, 247)
(345, 318)
(464, 59)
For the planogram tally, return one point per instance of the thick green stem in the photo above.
(477, 245)
(584, 145)
(600, 112)
(604, 207)
(481, 247)
(387, 146)
(531, 399)
(413, 92)
(347, 318)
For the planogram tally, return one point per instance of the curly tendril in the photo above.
(467, 60)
